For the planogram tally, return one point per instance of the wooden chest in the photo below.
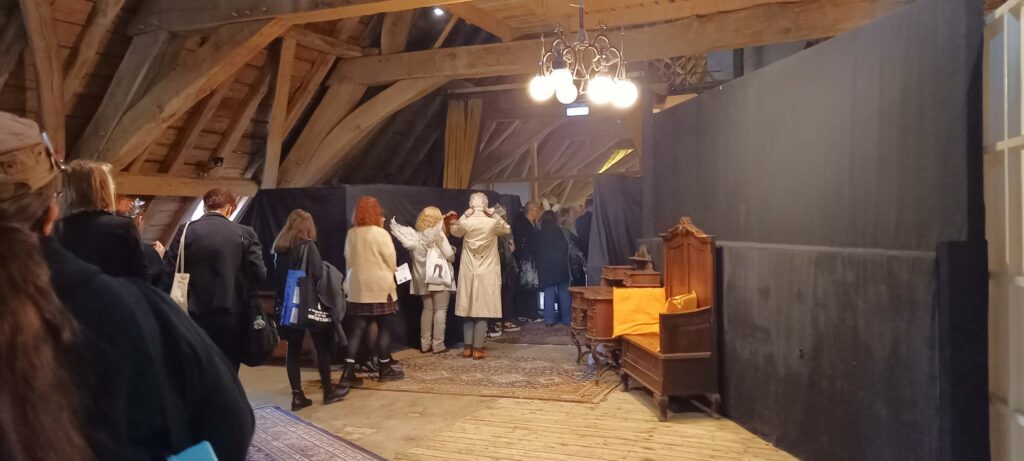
(642, 279)
(600, 321)
(614, 276)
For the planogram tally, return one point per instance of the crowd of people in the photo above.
(105, 365)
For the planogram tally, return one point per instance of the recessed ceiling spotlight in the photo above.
(438, 11)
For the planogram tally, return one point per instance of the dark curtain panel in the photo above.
(618, 202)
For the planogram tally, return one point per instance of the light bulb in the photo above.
(601, 89)
(566, 94)
(541, 88)
(438, 11)
(560, 77)
(626, 94)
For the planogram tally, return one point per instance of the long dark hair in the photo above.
(39, 417)
(548, 219)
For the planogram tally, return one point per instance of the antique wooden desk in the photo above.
(682, 359)
(592, 327)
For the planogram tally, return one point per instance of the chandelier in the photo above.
(592, 68)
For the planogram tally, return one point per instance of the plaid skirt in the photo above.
(385, 308)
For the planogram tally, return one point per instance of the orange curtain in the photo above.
(461, 134)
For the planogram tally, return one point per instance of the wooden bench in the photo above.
(682, 359)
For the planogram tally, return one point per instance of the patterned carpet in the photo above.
(511, 371)
(536, 333)
(282, 436)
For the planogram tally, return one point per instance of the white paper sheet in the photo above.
(402, 274)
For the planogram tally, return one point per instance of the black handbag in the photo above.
(261, 336)
(313, 314)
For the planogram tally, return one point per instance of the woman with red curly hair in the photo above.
(372, 298)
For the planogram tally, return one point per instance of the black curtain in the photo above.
(616, 226)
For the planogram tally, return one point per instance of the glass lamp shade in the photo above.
(625, 94)
(566, 94)
(560, 78)
(541, 88)
(601, 89)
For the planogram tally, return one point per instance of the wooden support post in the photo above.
(316, 75)
(278, 112)
(84, 52)
(42, 40)
(227, 50)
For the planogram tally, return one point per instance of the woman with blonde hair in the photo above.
(93, 232)
(428, 238)
(371, 290)
(297, 239)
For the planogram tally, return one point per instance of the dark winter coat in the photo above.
(150, 381)
(107, 241)
(551, 254)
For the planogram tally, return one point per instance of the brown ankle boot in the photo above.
(467, 352)
(479, 354)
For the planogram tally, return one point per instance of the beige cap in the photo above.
(25, 164)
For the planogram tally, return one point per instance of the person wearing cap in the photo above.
(101, 367)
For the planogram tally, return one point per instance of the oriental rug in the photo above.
(283, 436)
(511, 371)
(536, 333)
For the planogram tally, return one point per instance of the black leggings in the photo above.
(360, 324)
(322, 344)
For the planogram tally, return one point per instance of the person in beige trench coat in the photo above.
(479, 295)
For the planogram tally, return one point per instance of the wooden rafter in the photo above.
(12, 43)
(532, 132)
(444, 32)
(242, 117)
(323, 43)
(185, 15)
(185, 206)
(395, 31)
(336, 104)
(278, 111)
(316, 75)
(312, 168)
(484, 19)
(194, 123)
(42, 42)
(144, 54)
(84, 53)
(173, 186)
(757, 25)
(227, 50)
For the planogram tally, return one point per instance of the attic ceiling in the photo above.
(184, 95)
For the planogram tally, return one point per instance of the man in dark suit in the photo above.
(583, 227)
(224, 261)
(524, 230)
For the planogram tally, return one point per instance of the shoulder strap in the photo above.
(179, 265)
(304, 252)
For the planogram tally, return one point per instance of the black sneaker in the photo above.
(493, 331)
(510, 326)
(389, 373)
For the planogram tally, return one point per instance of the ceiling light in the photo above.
(438, 11)
(541, 88)
(592, 67)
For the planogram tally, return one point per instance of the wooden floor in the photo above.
(510, 429)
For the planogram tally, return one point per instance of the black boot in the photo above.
(388, 372)
(348, 377)
(335, 393)
(299, 401)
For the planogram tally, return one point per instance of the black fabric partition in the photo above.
(332, 209)
(618, 201)
(830, 180)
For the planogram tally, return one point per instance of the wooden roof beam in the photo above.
(194, 123)
(316, 75)
(174, 186)
(227, 50)
(759, 25)
(314, 167)
(186, 15)
(45, 55)
(323, 43)
(84, 53)
(484, 19)
(394, 34)
(12, 43)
